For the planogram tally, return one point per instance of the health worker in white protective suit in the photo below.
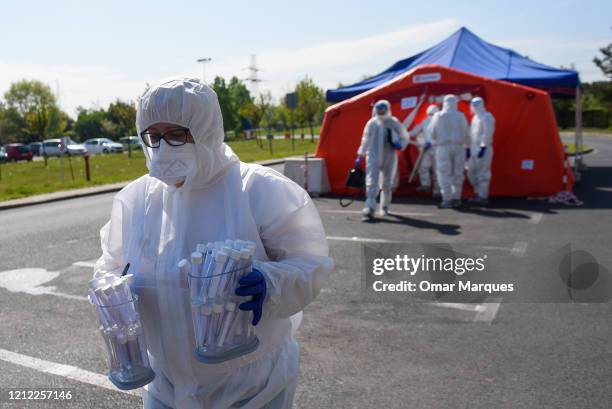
(426, 170)
(479, 165)
(383, 134)
(451, 137)
(197, 191)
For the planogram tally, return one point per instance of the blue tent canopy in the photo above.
(466, 51)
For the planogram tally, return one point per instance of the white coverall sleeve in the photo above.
(366, 139)
(432, 128)
(111, 240)
(293, 236)
(487, 135)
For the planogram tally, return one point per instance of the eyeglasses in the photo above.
(173, 137)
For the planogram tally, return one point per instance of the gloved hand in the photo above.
(427, 145)
(358, 162)
(397, 146)
(481, 151)
(468, 153)
(253, 284)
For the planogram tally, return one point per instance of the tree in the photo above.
(223, 95)
(239, 97)
(32, 111)
(89, 124)
(605, 62)
(311, 102)
(123, 116)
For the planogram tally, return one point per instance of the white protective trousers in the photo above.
(450, 161)
(479, 171)
(380, 177)
(481, 135)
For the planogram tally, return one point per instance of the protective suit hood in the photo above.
(189, 103)
(478, 106)
(432, 109)
(450, 103)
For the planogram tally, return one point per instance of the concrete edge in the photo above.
(91, 191)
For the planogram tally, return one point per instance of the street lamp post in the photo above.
(204, 61)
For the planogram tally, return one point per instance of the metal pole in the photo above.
(578, 138)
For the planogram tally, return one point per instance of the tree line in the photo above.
(29, 112)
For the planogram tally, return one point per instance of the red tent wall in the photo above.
(528, 160)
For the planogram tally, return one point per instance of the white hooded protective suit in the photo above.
(153, 226)
(423, 134)
(481, 133)
(450, 135)
(381, 159)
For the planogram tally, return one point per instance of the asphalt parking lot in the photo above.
(355, 353)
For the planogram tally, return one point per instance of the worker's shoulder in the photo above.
(264, 182)
(134, 189)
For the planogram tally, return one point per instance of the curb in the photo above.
(90, 191)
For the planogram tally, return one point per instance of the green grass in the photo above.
(24, 179)
(570, 148)
(588, 130)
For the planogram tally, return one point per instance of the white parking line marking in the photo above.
(31, 281)
(66, 371)
(535, 218)
(362, 239)
(487, 312)
(88, 264)
(458, 306)
(519, 249)
(406, 214)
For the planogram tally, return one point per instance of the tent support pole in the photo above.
(578, 165)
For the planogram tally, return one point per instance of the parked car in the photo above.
(103, 145)
(3, 155)
(126, 141)
(52, 147)
(18, 151)
(36, 148)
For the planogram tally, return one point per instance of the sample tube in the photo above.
(228, 319)
(219, 267)
(196, 263)
(213, 328)
(203, 332)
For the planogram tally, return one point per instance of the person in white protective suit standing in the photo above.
(450, 135)
(426, 170)
(383, 134)
(197, 191)
(479, 165)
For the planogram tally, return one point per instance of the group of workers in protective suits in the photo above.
(448, 143)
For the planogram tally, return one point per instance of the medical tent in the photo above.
(529, 159)
(465, 51)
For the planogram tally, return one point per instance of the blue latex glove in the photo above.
(358, 162)
(481, 151)
(397, 146)
(468, 153)
(427, 146)
(253, 284)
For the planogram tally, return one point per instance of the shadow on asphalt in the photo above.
(447, 229)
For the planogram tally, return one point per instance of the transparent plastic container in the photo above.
(222, 331)
(126, 346)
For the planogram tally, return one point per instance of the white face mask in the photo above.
(173, 164)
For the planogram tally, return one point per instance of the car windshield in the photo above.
(23, 149)
(106, 140)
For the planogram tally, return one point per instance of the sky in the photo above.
(91, 53)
